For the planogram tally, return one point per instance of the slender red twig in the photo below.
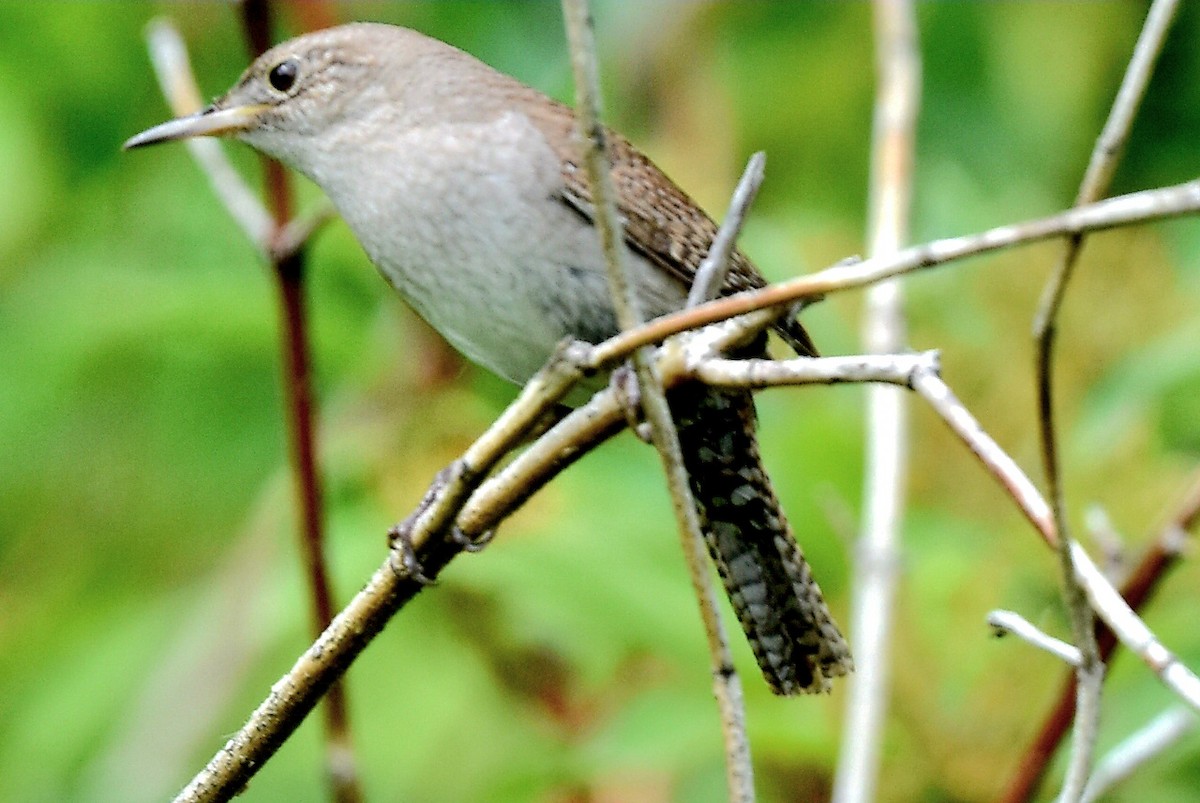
(288, 267)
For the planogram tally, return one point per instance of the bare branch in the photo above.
(169, 56)
(710, 276)
(1125, 210)
(1137, 589)
(892, 369)
(1139, 748)
(1105, 157)
(726, 683)
(897, 99)
(1107, 602)
(1019, 626)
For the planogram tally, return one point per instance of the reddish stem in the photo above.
(289, 270)
(1137, 590)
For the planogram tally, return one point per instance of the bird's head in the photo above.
(295, 98)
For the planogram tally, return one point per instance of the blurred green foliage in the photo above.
(149, 587)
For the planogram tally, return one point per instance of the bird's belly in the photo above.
(480, 243)
(505, 297)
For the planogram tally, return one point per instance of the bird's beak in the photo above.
(210, 122)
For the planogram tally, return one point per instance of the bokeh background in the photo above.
(150, 590)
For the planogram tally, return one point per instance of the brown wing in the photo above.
(662, 223)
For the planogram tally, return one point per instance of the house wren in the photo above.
(465, 189)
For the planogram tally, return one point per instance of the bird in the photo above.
(465, 188)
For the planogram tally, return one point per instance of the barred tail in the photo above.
(783, 614)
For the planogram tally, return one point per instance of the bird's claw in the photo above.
(403, 559)
(470, 544)
(624, 383)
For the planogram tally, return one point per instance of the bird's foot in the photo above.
(470, 544)
(624, 383)
(403, 559)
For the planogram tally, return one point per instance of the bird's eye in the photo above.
(283, 74)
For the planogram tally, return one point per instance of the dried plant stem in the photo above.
(1141, 583)
(726, 683)
(1139, 748)
(1138, 207)
(898, 71)
(1105, 157)
(1019, 626)
(289, 268)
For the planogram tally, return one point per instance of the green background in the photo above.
(150, 590)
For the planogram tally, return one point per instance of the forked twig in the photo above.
(1105, 600)
(1163, 554)
(1105, 157)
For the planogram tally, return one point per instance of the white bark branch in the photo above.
(1139, 748)
(1022, 628)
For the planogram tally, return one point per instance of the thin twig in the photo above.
(1138, 207)
(872, 601)
(892, 369)
(1105, 600)
(1139, 586)
(289, 268)
(1013, 622)
(1105, 157)
(169, 56)
(1139, 748)
(726, 683)
(710, 276)
(1129, 628)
